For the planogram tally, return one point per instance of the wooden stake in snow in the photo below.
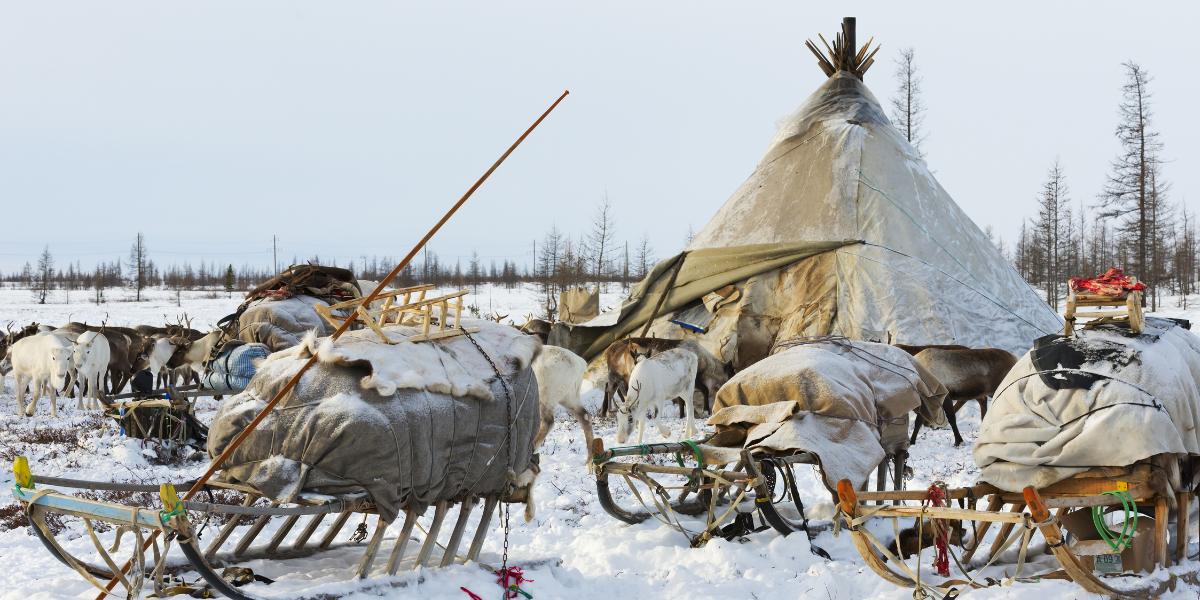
(216, 464)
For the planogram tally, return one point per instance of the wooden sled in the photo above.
(408, 311)
(1084, 490)
(1132, 304)
(172, 521)
(718, 492)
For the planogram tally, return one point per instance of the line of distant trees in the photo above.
(562, 260)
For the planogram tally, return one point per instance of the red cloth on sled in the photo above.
(1113, 283)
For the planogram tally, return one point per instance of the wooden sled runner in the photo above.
(767, 480)
(173, 523)
(1089, 489)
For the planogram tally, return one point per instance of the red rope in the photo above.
(941, 532)
(512, 589)
(470, 593)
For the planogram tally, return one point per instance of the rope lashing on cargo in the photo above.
(846, 343)
(867, 181)
(1117, 543)
(1155, 402)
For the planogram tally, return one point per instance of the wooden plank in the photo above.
(396, 292)
(1161, 555)
(1090, 486)
(464, 511)
(981, 490)
(255, 529)
(439, 515)
(1183, 525)
(284, 529)
(90, 509)
(1008, 518)
(485, 521)
(308, 531)
(442, 316)
(1101, 315)
(334, 528)
(364, 567)
(1017, 508)
(230, 525)
(410, 519)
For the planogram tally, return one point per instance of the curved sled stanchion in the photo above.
(1081, 574)
(37, 523)
(610, 507)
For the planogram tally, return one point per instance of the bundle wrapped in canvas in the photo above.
(234, 366)
(1104, 398)
(409, 423)
(828, 396)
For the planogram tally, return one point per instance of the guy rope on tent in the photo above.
(172, 520)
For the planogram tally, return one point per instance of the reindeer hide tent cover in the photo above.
(829, 398)
(1104, 398)
(409, 423)
(843, 230)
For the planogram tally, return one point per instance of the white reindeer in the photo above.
(43, 360)
(654, 381)
(199, 351)
(92, 354)
(559, 374)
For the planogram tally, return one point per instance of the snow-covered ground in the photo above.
(573, 549)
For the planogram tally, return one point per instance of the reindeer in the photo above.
(654, 380)
(559, 373)
(7, 341)
(497, 317)
(121, 357)
(968, 374)
(92, 358)
(538, 327)
(711, 372)
(42, 360)
(908, 542)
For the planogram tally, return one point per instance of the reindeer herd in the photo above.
(89, 361)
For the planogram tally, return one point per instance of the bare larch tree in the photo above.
(1127, 193)
(908, 110)
(599, 241)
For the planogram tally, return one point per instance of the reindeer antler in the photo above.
(496, 317)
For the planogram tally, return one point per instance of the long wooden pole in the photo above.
(237, 441)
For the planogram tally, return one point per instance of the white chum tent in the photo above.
(877, 250)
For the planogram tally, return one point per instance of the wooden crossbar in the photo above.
(449, 313)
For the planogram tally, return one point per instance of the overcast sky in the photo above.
(349, 128)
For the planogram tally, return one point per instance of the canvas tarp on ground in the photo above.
(837, 170)
(830, 398)
(409, 423)
(1121, 399)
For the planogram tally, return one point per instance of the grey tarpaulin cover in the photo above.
(410, 423)
(830, 398)
(1138, 398)
(280, 324)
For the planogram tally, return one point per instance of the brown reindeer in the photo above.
(915, 350)
(968, 374)
(711, 372)
(908, 542)
(538, 327)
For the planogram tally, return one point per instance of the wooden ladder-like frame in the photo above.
(1132, 304)
(448, 306)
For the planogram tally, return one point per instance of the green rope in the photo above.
(1127, 531)
(167, 516)
(514, 589)
(695, 451)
